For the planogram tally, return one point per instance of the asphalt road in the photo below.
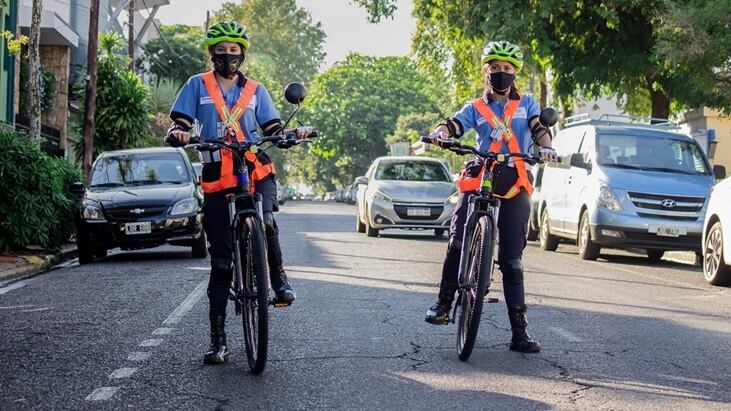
(130, 331)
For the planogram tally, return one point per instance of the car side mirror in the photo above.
(578, 160)
(295, 93)
(77, 188)
(362, 180)
(719, 172)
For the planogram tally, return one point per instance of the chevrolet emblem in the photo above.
(137, 211)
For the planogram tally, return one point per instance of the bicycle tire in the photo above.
(255, 307)
(480, 265)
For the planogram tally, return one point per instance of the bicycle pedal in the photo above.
(492, 300)
(280, 304)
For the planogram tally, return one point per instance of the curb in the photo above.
(46, 263)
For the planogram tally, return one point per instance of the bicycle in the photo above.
(478, 245)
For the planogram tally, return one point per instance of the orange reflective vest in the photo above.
(231, 117)
(467, 183)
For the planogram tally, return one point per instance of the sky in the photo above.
(345, 25)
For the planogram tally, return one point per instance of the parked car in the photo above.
(198, 168)
(282, 196)
(138, 199)
(625, 185)
(535, 201)
(405, 192)
(716, 232)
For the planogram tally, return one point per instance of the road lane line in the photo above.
(15, 286)
(153, 342)
(102, 394)
(139, 356)
(12, 307)
(567, 335)
(124, 372)
(162, 331)
(187, 304)
(33, 310)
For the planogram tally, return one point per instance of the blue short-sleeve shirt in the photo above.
(193, 102)
(471, 119)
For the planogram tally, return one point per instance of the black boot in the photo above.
(278, 277)
(438, 314)
(521, 340)
(218, 352)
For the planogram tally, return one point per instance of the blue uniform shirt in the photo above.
(471, 119)
(193, 102)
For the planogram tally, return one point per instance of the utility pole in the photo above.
(90, 106)
(34, 74)
(131, 28)
(208, 19)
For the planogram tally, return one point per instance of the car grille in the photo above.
(126, 214)
(671, 207)
(434, 211)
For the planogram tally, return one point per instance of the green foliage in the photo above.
(356, 104)
(163, 92)
(48, 88)
(36, 205)
(378, 9)
(122, 102)
(15, 44)
(178, 58)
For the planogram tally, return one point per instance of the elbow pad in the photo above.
(539, 130)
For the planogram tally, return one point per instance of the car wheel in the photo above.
(715, 269)
(369, 230)
(548, 241)
(533, 231)
(200, 248)
(439, 232)
(84, 248)
(655, 255)
(359, 226)
(588, 250)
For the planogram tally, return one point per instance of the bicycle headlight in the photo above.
(380, 196)
(186, 206)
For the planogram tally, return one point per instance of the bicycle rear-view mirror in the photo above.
(295, 93)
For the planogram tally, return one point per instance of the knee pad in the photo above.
(220, 264)
(454, 249)
(270, 225)
(512, 271)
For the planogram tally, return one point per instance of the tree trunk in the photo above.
(34, 72)
(131, 34)
(90, 106)
(544, 94)
(660, 102)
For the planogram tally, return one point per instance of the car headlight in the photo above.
(92, 212)
(380, 196)
(607, 199)
(187, 206)
(453, 198)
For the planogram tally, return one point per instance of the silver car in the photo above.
(405, 192)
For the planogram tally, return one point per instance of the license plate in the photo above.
(418, 212)
(138, 228)
(669, 231)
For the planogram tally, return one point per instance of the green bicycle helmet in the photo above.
(228, 31)
(503, 50)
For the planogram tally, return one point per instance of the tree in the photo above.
(34, 72)
(90, 91)
(177, 54)
(356, 104)
(283, 37)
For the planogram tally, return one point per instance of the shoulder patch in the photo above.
(205, 100)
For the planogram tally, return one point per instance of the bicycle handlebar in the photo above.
(289, 140)
(464, 149)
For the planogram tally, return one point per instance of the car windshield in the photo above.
(406, 170)
(139, 169)
(665, 154)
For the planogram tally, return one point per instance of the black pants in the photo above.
(217, 227)
(512, 228)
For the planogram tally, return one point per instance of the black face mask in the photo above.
(501, 81)
(227, 64)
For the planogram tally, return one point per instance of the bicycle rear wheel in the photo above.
(255, 303)
(478, 275)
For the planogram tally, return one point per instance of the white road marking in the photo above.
(162, 331)
(199, 268)
(14, 286)
(153, 342)
(12, 307)
(567, 335)
(102, 394)
(124, 372)
(36, 310)
(187, 304)
(139, 356)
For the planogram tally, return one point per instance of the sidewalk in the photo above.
(28, 264)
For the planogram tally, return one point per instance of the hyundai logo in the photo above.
(137, 211)
(668, 203)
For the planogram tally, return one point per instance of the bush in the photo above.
(36, 207)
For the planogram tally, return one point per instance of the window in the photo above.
(651, 153)
(409, 170)
(139, 169)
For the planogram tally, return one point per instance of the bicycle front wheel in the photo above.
(477, 278)
(256, 294)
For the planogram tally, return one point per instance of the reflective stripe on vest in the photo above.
(471, 184)
(231, 119)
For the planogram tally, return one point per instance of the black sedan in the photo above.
(140, 198)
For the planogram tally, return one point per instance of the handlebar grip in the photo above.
(194, 140)
(426, 139)
(314, 134)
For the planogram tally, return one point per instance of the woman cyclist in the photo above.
(501, 116)
(224, 103)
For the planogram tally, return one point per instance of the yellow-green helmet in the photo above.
(505, 51)
(230, 31)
